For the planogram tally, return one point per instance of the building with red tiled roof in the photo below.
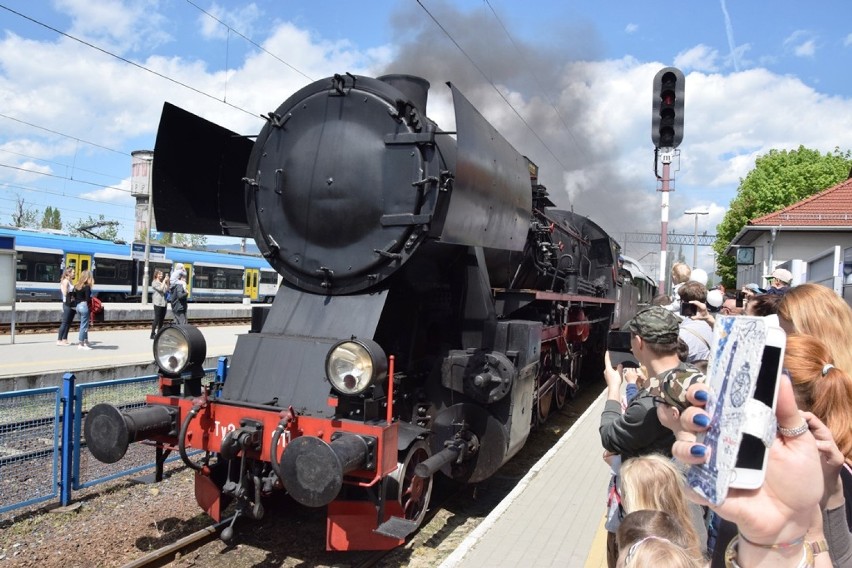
(811, 238)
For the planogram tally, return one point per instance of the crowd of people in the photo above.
(801, 515)
(78, 298)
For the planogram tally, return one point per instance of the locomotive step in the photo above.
(396, 527)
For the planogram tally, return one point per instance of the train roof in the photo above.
(56, 241)
(632, 266)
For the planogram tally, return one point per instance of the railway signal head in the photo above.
(667, 108)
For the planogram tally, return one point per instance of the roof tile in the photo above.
(829, 208)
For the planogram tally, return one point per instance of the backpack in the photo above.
(175, 295)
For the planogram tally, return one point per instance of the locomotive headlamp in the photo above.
(180, 348)
(354, 365)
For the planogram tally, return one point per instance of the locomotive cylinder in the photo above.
(313, 470)
(429, 467)
(109, 431)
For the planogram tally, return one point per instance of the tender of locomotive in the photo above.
(434, 307)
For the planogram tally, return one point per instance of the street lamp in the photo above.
(695, 235)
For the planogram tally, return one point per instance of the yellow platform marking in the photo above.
(597, 553)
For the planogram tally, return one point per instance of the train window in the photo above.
(269, 277)
(21, 271)
(47, 272)
(106, 269)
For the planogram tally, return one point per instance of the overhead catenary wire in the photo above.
(128, 61)
(251, 41)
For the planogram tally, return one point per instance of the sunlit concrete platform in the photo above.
(35, 361)
(41, 312)
(554, 516)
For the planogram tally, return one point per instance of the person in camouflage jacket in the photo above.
(637, 430)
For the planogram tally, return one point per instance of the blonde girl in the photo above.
(653, 482)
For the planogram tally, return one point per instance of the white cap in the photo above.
(715, 298)
(699, 275)
(781, 274)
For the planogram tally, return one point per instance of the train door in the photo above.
(79, 262)
(188, 268)
(251, 282)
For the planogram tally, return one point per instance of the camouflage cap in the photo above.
(671, 385)
(655, 325)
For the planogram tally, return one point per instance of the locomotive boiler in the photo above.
(434, 307)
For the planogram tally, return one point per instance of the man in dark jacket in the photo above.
(637, 431)
(179, 298)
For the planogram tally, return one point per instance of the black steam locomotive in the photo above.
(434, 307)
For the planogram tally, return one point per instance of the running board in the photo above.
(397, 527)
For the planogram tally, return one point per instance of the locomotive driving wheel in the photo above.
(412, 492)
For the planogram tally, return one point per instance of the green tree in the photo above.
(24, 216)
(779, 178)
(183, 240)
(52, 218)
(96, 228)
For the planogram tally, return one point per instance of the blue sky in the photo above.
(759, 76)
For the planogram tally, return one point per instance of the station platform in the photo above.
(40, 312)
(35, 361)
(554, 517)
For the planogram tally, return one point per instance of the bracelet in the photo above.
(807, 560)
(818, 546)
(778, 546)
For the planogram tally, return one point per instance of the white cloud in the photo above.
(848, 41)
(242, 20)
(119, 194)
(807, 49)
(699, 58)
(116, 25)
(802, 43)
(631, 28)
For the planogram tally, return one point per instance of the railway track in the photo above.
(290, 536)
(42, 327)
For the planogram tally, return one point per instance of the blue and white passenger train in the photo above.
(211, 276)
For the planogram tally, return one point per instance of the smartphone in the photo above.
(750, 467)
(688, 310)
(743, 375)
(740, 299)
(619, 341)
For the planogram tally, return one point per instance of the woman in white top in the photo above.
(66, 287)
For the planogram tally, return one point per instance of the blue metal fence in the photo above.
(30, 430)
(42, 445)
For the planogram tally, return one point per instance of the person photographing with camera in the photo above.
(696, 333)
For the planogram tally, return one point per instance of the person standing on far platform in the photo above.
(179, 296)
(83, 291)
(66, 287)
(160, 284)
